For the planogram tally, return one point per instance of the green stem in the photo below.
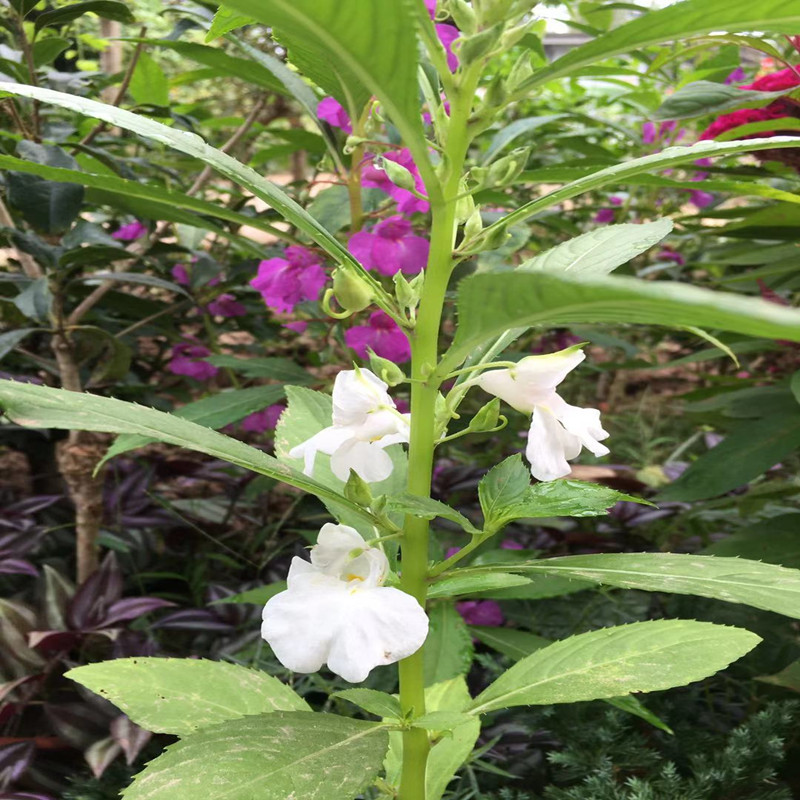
(424, 391)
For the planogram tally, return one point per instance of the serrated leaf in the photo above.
(469, 583)
(600, 251)
(183, 695)
(706, 97)
(503, 486)
(640, 657)
(226, 20)
(448, 648)
(107, 9)
(373, 701)
(286, 754)
(736, 580)
(40, 406)
(427, 508)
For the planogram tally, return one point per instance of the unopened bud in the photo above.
(496, 95)
(491, 238)
(386, 370)
(494, 11)
(352, 142)
(465, 204)
(474, 225)
(506, 169)
(486, 419)
(351, 292)
(357, 490)
(408, 292)
(474, 48)
(397, 173)
(464, 16)
(520, 72)
(512, 36)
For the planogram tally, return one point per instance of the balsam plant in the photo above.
(361, 600)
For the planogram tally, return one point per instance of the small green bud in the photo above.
(397, 173)
(352, 142)
(408, 292)
(511, 36)
(486, 419)
(386, 370)
(351, 292)
(474, 225)
(491, 238)
(465, 204)
(503, 171)
(480, 45)
(496, 94)
(491, 12)
(378, 504)
(357, 490)
(520, 72)
(464, 16)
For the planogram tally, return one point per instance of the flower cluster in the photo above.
(188, 358)
(365, 422)
(285, 282)
(382, 335)
(337, 611)
(558, 430)
(390, 247)
(407, 201)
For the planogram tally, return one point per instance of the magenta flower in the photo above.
(648, 132)
(390, 247)
(180, 274)
(298, 327)
(382, 335)
(265, 420)
(226, 305)
(668, 254)
(330, 110)
(700, 199)
(604, 216)
(187, 359)
(285, 282)
(130, 232)
(481, 612)
(447, 35)
(431, 6)
(737, 76)
(407, 203)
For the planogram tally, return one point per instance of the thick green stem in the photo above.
(424, 358)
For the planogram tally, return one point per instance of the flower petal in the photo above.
(328, 440)
(334, 546)
(549, 446)
(367, 459)
(583, 423)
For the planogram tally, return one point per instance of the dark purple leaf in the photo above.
(78, 724)
(25, 796)
(16, 566)
(132, 643)
(130, 737)
(14, 760)
(53, 641)
(95, 596)
(132, 608)
(100, 754)
(192, 619)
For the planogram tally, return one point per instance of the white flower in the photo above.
(337, 611)
(365, 420)
(558, 430)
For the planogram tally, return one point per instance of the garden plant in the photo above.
(464, 221)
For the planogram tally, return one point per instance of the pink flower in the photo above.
(668, 254)
(431, 6)
(187, 359)
(285, 282)
(407, 203)
(180, 274)
(130, 232)
(510, 544)
(264, 420)
(383, 335)
(700, 199)
(648, 133)
(481, 612)
(604, 216)
(330, 110)
(447, 35)
(390, 247)
(737, 76)
(297, 327)
(226, 305)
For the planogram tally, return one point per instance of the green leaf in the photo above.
(10, 339)
(35, 300)
(503, 486)
(794, 385)
(283, 755)
(640, 657)
(226, 20)
(467, 583)
(125, 277)
(47, 50)
(427, 508)
(510, 642)
(440, 720)
(541, 586)
(619, 173)
(741, 456)
(278, 369)
(775, 540)
(107, 9)
(490, 304)
(678, 21)
(40, 406)
(787, 678)
(735, 580)
(193, 145)
(448, 648)
(159, 201)
(379, 703)
(215, 411)
(333, 42)
(149, 85)
(519, 127)
(706, 97)
(600, 251)
(183, 695)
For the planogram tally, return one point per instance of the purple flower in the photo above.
(510, 544)
(407, 203)
(264, 420)
(431, 6)
(737, 76)
(481, 612)
(226, 305)
(383, 335)
(390, 247)
(604, 216)
(130, 232)
(447, 35)
(703, 162)
(180, 274)
(298, 327)
(187, 359)
(285, 282)
(668, 254)
(330, 110)
(700, 199)
(648, 132)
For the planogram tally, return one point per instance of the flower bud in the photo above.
(408, 292)
(493, 11)
(491, 238)
(474, 225)
(352, 142)
(474, 48)
(520, 72)
(397, 173)
(465, 205)
(356, 490)
(386, 370)
(486, 419)
(351, 292)
(506, 169)
(464, 16)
